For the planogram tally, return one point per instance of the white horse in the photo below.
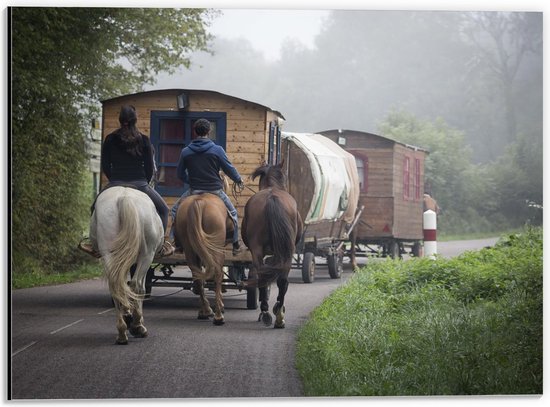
(126, 229)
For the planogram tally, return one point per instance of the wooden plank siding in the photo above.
(387, 213)
(247, 127)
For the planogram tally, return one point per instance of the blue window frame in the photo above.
(170, 133)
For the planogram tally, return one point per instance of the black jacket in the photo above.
(119, 165)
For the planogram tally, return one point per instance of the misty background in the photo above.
(481, 72)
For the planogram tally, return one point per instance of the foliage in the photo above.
(473, 198)
(63, 60)
(470, 325)
(37, 278)
(517, 178)
(460, 187)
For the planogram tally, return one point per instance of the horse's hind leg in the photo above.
(279, 307)
(122, 312)
(255, 279)
(218, 316)
(123, 319)
(205, 311)
(265, 316)
(136, 327)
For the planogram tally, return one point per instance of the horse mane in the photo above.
(270, 176)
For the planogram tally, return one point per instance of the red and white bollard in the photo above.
(430, 238)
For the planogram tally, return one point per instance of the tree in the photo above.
(517, 177)
(503, 41)
(63, 61)
(463, 190)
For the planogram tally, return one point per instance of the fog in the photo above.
(481, 72)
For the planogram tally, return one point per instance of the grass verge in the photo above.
(33, 279)
(471, 325)
(444, 237)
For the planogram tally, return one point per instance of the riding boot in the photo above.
(167, 248)
(236, 248)
(88, 248)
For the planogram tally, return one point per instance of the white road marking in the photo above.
(22, 349)
(104, 312)
(66, 326)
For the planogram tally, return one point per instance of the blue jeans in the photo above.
(223, 196)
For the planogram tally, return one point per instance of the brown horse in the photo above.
(272, 226)
(202, 224)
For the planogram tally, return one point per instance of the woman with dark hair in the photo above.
(127, 160)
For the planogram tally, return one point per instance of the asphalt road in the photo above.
(63, 343)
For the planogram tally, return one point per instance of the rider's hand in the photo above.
(240, 185)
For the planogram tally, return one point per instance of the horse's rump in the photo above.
(126, 227)
(201, 228)
(271, 221)
(280, 229)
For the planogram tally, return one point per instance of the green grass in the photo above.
(465, 326)
(33, 279)
(444, 237)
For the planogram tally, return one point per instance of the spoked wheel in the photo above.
(335, 263)
(308, 268)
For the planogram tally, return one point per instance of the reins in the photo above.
(237, 191)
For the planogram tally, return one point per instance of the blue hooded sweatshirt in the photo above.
(200, 163)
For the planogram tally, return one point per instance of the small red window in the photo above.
(406, 178)
(416, 185)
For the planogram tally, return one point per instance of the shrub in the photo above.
(469, 325)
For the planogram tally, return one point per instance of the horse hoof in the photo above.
(121, 342)
(279, 325)
(277, 308)
(138, 332)
(218, 322)
(266, 318)
(203, 317)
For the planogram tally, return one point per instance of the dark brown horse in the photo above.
(202, 223)
(272, 226)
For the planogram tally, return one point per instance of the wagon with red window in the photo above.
(249, 132)
(391, 176)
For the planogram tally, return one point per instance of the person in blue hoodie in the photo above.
(199, 166)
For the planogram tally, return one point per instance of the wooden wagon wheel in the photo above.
(308, 268)
(335, 262)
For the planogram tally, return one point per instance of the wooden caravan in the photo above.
(323, 180)
(248, 132)
(391, 190)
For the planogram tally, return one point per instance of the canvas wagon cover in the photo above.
(336, 189)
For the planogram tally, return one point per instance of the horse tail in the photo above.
(202, 243)
(281, 235)
(124, 251)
